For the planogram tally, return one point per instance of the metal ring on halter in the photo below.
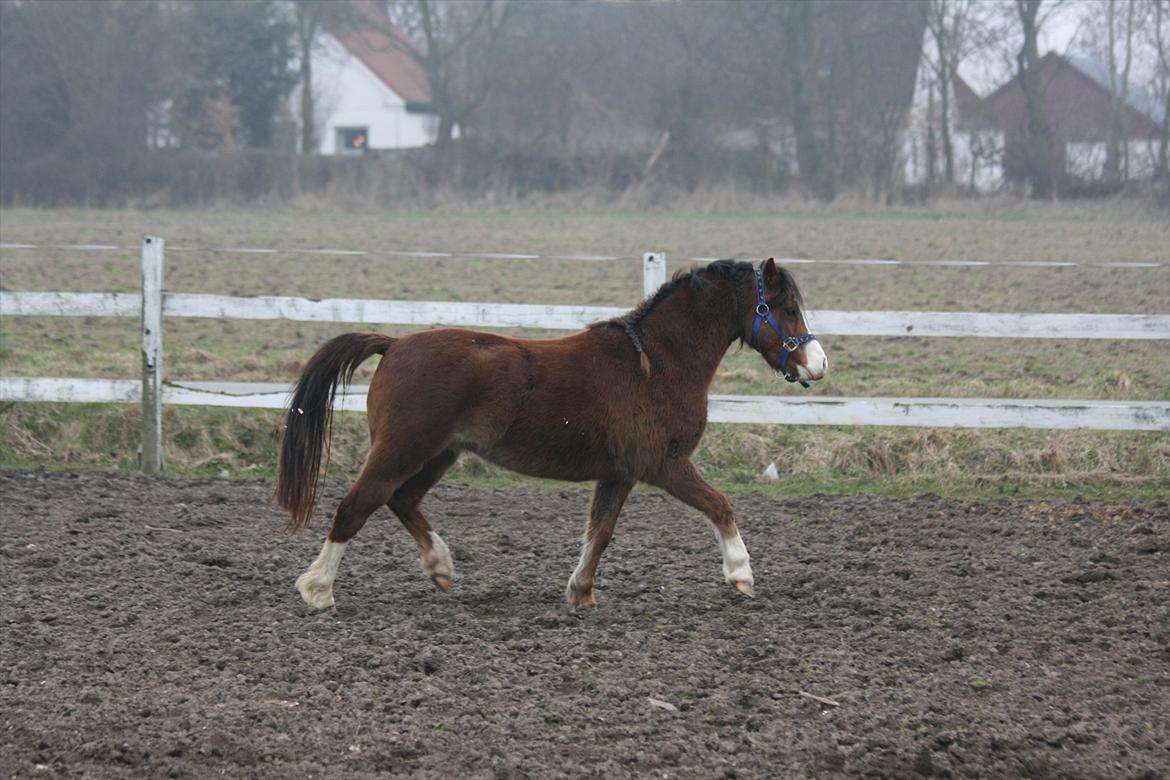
(762, 308)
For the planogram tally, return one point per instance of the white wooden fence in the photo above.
(154, 304)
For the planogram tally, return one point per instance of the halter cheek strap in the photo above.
(764, 314)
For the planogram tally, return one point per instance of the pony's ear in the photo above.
(772, 277)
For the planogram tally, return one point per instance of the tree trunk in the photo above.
(815, 174)
(1164, 142)
(308, 129)
(1163, 169)
(444, 149)
(1116, 148)
(1112, 155)
(1124, 137)
(944, 126)
(1040, 154)
(931, 144)
(307, 19)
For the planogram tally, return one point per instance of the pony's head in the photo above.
(773, 323)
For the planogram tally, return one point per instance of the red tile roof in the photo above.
(384, 49)
(1077, 104)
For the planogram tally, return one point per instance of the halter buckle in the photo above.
(791, 344)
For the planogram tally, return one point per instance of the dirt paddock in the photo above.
(150, 628)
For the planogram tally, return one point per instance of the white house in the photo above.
(977, 142)
(988, 134)
(370, 95)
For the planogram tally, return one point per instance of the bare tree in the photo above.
(1158, 37)
(1040, 142)
(307, 14)
(235, 59)
(801, 64)
(848, 72)
(456, 46)
(1118, 89)
(310, 18)
(790, 29)
(956, 29)
(77, 82)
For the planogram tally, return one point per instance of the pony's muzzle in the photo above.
(815, 365)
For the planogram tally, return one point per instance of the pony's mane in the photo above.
(698, 278)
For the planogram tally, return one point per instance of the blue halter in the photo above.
(790, 343)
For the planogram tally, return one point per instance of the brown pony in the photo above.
(620, 402)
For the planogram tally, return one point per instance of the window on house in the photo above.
(352, 140)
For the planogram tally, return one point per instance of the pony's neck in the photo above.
(688, 333)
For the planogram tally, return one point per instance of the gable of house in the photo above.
(1139, 100)
(971, 111)
(1076, 104)
(385, 50)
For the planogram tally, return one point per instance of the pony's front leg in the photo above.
(682, 480)
(316, 584)
(608, 498)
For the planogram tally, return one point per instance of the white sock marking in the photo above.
(437, 560)
(736, 561)
(316, 584)
(586, 549)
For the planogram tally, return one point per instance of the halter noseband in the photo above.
(764, 314)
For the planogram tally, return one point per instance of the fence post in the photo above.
(152, 277)
(653, 272)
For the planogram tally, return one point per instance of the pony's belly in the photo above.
(564, 460)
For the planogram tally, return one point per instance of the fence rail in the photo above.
(494, 255)
(524, 315)
(153, 304)
(756, 409)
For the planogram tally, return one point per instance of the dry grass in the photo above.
(275, 351)
(790, 229)
(242, 443)
(717, 224)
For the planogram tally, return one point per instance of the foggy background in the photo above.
(177, 102)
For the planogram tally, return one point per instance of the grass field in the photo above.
(203, 441)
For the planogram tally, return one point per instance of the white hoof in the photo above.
(737, 565)
(577, 596)
(437, 562)
(316, 585)
(316, 592)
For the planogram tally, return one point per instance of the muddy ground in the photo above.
(150, 628)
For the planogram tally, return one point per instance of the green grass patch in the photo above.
(242, 444)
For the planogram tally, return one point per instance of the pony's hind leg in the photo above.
(682, 480)
(608, 498)
(372, 489)
(435, 556)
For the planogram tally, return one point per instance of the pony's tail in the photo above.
(310, 419)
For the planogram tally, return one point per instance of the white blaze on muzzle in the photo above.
(815, 364)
